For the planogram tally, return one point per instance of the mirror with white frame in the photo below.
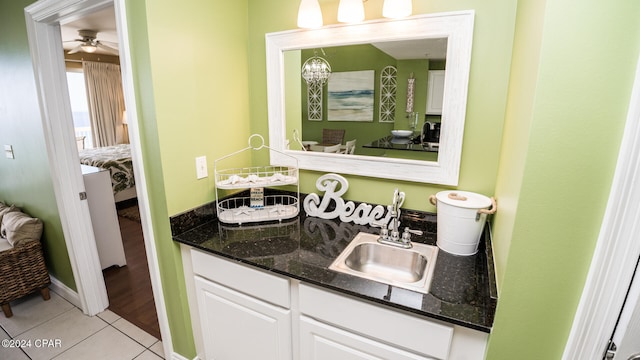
(455, 27)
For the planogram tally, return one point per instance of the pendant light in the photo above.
(316, 70)
(309, 14)
(396, 8)
(350, 11)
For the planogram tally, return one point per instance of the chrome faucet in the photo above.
(393, 238)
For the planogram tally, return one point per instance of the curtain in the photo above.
(106, 103)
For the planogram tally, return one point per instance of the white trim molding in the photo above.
(64, 291)
(126, 68)
(617, 249)
(43, 30)
(43, 20)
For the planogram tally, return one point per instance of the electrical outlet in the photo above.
(201, 167)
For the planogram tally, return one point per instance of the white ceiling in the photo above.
(415, 49)
(103, 21)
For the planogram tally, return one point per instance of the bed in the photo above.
(116, 159)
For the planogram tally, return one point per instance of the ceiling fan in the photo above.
(89, 44)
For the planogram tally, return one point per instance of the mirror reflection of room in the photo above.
(385, 98)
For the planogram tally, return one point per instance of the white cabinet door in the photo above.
(239, 327)
(435, 91)
(319, 341)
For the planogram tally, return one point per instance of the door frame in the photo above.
(43, 20)
(617, 249)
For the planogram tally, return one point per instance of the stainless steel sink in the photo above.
(406, 268)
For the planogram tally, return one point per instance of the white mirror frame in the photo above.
(457, 27)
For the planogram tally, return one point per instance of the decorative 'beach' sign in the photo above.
(334, 186)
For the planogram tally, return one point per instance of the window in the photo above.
(80, 107)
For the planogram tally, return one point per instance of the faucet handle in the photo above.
(406, 235)
(412, 231)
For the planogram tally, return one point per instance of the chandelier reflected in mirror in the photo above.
(316, 70)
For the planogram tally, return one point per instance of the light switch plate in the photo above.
(201, 167)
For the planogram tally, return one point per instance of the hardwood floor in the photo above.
(129, 287)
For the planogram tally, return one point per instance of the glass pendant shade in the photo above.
(396, 8)
(350, 11)
(89, 48)
(316, 70)
(309, 14)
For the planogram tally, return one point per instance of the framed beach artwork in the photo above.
(351, 96)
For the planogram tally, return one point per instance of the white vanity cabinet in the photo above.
(435, 91)
(247, 313)
(244, 313)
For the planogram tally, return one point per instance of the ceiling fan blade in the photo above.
(107, 48)
(75, 49)
(109, 43)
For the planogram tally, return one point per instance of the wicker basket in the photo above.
(22, 271)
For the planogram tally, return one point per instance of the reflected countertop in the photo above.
(463, 288)
(399, 143)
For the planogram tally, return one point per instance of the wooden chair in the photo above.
(332, 149)
(332, 136)
(80, 142)
(350, 147)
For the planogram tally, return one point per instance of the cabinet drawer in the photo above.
(426, 337)
(267, 287)
(321, 341)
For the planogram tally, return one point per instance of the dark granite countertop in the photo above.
(462, 291)
(395, 143)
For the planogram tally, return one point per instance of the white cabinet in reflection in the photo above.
(435, 91)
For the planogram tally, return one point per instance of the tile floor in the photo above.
(56, 329)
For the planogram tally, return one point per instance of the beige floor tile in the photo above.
(68, 329)
(109, 316)
(135, 332)
(148, 355)
(8, 351)
(31, 311)
(106, 344)
(157, 349)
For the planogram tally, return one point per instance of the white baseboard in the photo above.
(175, 356)
(65, 292)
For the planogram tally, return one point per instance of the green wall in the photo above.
(573, 68)
(493, 37)
(26, 180)
(190, 63)
(537, 109)
(348, 58)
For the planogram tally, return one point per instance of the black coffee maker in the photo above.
(430, 132)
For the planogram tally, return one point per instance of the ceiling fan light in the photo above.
(309, 14)
(396, 8)
(89, 48)
(350, 11)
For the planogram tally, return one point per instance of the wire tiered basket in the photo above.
(255, 205)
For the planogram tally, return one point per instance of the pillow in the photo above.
(6, 209)
(18, 227)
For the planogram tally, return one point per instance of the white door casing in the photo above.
(617, 249)
(627, 330)
(43, 20)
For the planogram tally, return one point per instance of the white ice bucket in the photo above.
(461, 219)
